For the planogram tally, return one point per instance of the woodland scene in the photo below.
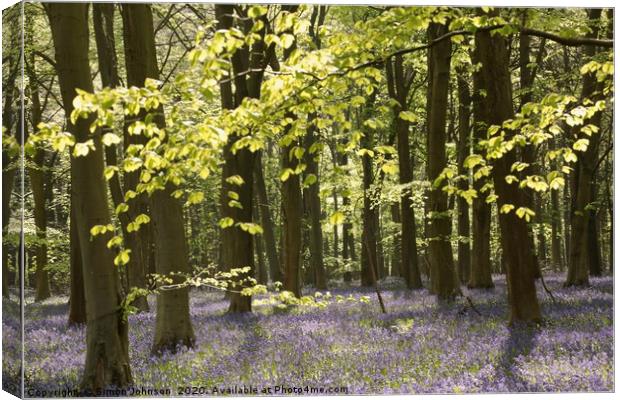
(216, 199)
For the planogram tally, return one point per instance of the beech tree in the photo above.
(107, 359)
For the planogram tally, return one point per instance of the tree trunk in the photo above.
(440, 248)
(480, 273)
(266, 221)
(313, 202)
(8, 158)
(369, 229)
(173, 324)
(584, 251)
(107, 359)
(398, 89)
(77, 300)
(292, 212)
(37, 182)
(494, 77)
(464, 247)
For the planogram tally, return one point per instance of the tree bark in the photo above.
(369, 238)
(77, 299)
(584, 250)
(494, 78)
(107, 359)
(37, 182)
(440, 248)
(398, 89)
(464, 246)
(480, 273)
(173, 325)
(266, 221)
(313, 205)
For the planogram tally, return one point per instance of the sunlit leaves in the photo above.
(407, 116)
(110, 139)
(82, 149)
(101, 229)
(122, 258)
(134, 225)
(195, 197)
(337, 218)
(526, 213)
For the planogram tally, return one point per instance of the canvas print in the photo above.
(302, 199)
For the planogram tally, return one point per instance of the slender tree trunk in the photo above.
(369, 229)
(292, 213)
(494, 77)
(107, 359)
(464, 247)
(266, 221)
(398, 88)
(395, 267)
(313, 202)
(37, 182)
(8, 158)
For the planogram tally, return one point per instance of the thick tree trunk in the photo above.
(266, 221)
(584, 251)
(107, 359)
(494, 77)
(440, 248)
(173, 324)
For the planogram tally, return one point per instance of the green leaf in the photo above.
(122, 258)
(195, 197)
(407, 116)
(109, 171)
(286, 173)
(506, 208)
(581, 145)
(472, 160)
(226, 222)
(82, 149)
(524, 212)
(236, 180)
(110, 139)
(337, 218)
(121, 208)
(116, 241)
(310, 180)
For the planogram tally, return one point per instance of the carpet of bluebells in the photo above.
(419, 346)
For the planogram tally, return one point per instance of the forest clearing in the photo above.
(237, 199)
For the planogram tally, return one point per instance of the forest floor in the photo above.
(419, 346)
